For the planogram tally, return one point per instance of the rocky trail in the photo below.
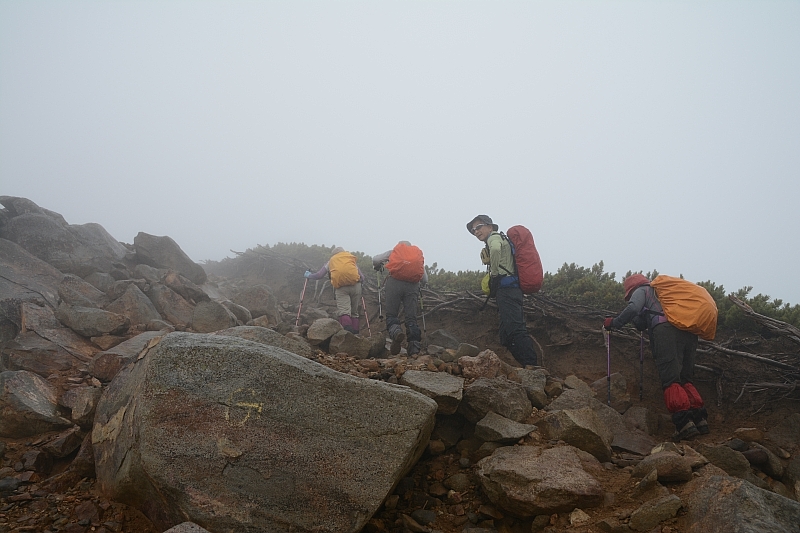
(94, 330)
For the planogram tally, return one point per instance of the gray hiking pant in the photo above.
(348, 298)
(406, 294)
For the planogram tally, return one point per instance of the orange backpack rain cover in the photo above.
(343, 270)
(687, 306)
(406, 263)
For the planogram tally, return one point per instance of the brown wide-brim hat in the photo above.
(484, 219)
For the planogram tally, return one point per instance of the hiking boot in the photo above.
(702, 427)
(397, 340)
(687, 432)
(414, 347)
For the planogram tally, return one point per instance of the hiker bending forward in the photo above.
(504, 287)
(346, 279)
(674, 352)
(406, 266)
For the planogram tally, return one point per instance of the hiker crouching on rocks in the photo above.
(504, 287)
(674, 352)
(406, 266)
(346, 279)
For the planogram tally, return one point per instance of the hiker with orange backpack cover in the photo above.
(346, 279)
(405, 264)
(505, 288)
(674, 351)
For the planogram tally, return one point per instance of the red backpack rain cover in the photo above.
(526, 257)
(406, 263)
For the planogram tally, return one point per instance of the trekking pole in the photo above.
(366, 315)
(422, 308)
(380, 309)
(300, 307)
(608, 371)
(641, 364)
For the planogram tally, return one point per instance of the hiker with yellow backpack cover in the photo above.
(346, 279)
(674, 312)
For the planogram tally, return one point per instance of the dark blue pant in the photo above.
(513, 332)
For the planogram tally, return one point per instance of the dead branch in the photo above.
(776, 326)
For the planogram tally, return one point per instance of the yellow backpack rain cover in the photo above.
(343, 270)
(687, 306)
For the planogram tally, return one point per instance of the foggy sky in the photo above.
(649, 135)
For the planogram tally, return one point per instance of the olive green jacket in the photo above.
(501, 260)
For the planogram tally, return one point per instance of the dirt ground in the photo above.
(81, 507)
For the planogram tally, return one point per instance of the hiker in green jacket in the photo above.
(504, 287)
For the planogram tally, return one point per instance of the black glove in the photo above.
(494, 284)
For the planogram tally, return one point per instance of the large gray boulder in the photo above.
(163, 252)
(581, 428)
(529, 480)
(259, 300)
(28, 405)
(91, 322)
(239, 436)
(23, 278)
(76, 249)
(268, 337)
(721, 504)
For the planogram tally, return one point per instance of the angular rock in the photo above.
(27, 405)
(187, 527)
(29, 351)
(37, 318)
(444, 338)
(529, 481)
(787, 433)
(721, 504)
(669, 465)
(76, 249)
(240, 312)
(641, 418)
(654, 512)
(24, 278)
(183, 286)
(466, 350)
(574, 382)
(105, 365)
(732, 462)
(484, 365)
(322, 330)
(211, 316)
(74, 291)
(202, 420)
(135, 305)
(580, 428)
(445, 389)
(170, 304)
(634, 442)
(65, 443)
(163, 252)
(534, 381)
(260, 301)
(497, 395)
(572, 399)
(496, 428)
(100, 280)
(353, 345)
(91, 322)
(620, 399)
(82, 402)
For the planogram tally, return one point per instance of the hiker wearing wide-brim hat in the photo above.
(504, 287)
(674, 352)
(346, 279)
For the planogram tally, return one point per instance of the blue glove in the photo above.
(307, 274)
